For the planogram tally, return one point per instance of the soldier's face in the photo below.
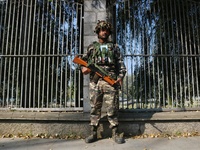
(104, 34)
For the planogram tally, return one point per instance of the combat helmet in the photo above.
(102, 24)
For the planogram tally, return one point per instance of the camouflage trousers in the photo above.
(103, 92)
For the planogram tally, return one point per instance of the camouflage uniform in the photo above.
(109, 58)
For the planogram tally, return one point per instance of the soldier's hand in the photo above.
(119, 80)
(85, 70)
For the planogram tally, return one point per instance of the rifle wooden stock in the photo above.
(81, 62)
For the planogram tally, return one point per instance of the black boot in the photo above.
(93, 136)
(116, 137)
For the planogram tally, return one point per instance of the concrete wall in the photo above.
(65, 124)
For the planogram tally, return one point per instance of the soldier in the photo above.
(106, 55)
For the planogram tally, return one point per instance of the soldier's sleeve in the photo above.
(87, 56)
(88, 53)
(120, 63)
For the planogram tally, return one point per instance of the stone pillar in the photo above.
(94, 10)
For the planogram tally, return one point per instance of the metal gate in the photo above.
(160, 40)
(38, 41)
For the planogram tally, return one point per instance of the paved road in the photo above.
(190, 143)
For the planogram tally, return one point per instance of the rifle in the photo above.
(99, 71)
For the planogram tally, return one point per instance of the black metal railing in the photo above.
(160, 40)
(38, 42)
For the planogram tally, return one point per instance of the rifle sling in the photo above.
(98, 69)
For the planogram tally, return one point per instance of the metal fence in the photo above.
(38, 41)
(160, 40)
